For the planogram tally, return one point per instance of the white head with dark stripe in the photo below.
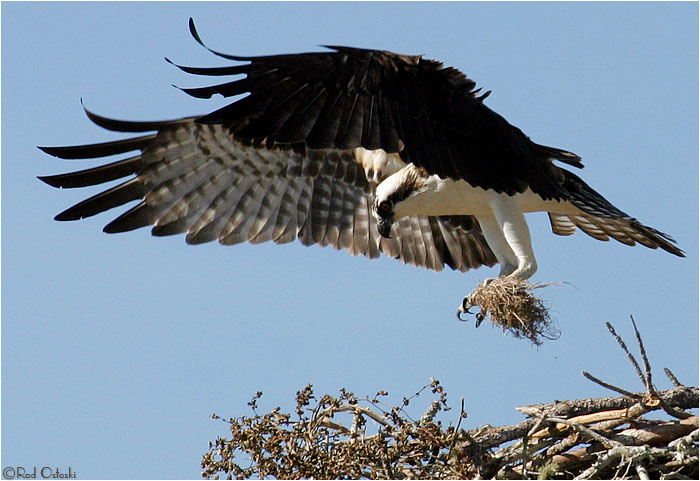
(397, 196)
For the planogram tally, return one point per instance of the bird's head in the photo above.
(395, 196)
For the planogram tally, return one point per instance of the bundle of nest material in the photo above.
(347, 437)
(511, 305)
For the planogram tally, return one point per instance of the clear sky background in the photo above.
(117, 348)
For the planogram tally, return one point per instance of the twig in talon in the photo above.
(510, 304)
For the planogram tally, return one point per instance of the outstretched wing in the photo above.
(598, 218)
(197, 179)
(352, 97)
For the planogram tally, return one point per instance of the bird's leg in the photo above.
(499, 245)
(511, 222)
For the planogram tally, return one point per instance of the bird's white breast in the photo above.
(457, 197)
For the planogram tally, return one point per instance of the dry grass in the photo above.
(510, 304)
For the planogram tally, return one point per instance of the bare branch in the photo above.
(588, 432)
(647, 367)
(622, 344)
(641, 470)
(672, 377)
(606, 385)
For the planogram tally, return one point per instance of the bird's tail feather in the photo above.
(601, 220)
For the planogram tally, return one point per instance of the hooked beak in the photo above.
(384, 226)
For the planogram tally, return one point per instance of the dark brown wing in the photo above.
(353, 97)
(196, 179)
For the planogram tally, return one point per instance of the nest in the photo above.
(510, 304)
(351, 437)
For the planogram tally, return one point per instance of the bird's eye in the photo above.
(384, 206)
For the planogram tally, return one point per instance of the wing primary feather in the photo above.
(211, 71)
(237, 87)
(114, 197)
(178, 226)
(195, 35)
(131, 126)
(226, 89)
(105, 149)
(139, 216)
(94, 176)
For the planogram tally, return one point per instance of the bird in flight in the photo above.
(364, 150)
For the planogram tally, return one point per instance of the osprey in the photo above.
(363, 150)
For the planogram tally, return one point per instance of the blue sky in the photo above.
(117, 348)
